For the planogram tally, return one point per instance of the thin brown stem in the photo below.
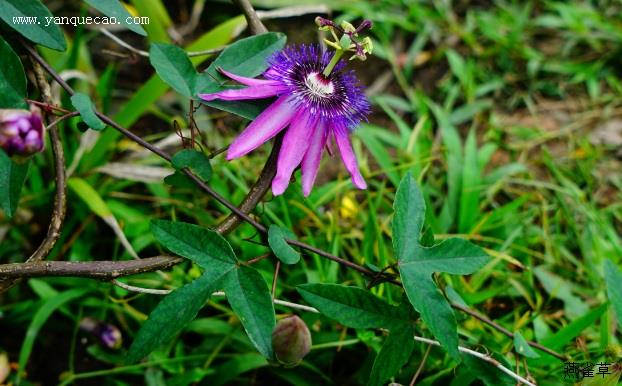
(275, 278)
(254, 23)
(421, 365)
(258, 258)
(504, 330)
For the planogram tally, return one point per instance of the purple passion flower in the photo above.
(315, 109)
(21, 132)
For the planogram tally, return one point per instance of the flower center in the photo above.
(318, 85)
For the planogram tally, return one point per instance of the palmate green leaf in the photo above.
(113, 8)
(249, 296)
(206, 248)
(44, 31)
(12, 177)
(84, 105)
(12, 79)
(352, 306)
(195, 161)
(282, 250)
(174, 312)
(417, 264)
(455, 256)
(393, 355)
(613, 280)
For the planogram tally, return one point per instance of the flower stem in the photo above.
(333, 62)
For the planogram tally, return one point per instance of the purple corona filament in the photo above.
(312, 107)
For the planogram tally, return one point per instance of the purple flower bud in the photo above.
(21, 132)
(291, 340)
(108, 334)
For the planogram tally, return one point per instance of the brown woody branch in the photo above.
(103, 270)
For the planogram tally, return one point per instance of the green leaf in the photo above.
(159, 19)
(409, 217)
(522, 347)
(39, 319)
(417, 264)
(84, 105)
(246, 57)
(455, 256)
(195, 161)
(393, 355)
(12, 177)
(12, 79)
(173, 313)
(41, 31)
(174, 67)
(113, 8)
(562, 289)
(282, 250)
(90, 196)
(453, 149)
(249, 296)
(206, 248)
(351, 306)
(179, 180)
(255, 51)
(613, 280)
(559, 339)
(471, 186)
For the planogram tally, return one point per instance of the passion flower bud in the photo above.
(21, 132)
(107, 334)
(291, 340)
